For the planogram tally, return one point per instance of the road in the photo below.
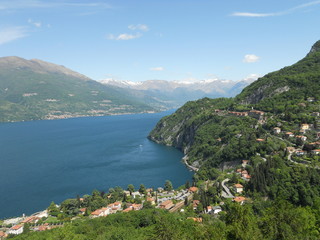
(226, 191)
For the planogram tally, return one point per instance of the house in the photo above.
(310, 99)
(303, 138)
(32, 219)
(289, 134)
(128, 209)
(195, 204)
(300, 152)
(82, 210)
(316, 114)
(3, 235)
(260, 140)
(291, 149)
(100, 212)
(167, 205)
(136, 206)
(193, 189)
(277, 130)
(136, 194)
(127, 193)
(195, 219)
(238, 188)
(239, 170)
(316, 151)
(151, 200)
(304, 126)
(16, 230)
(217, 209)
(209, 209)
(245, 163)
(240, 200)
(244, 173)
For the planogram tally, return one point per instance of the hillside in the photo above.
(277, 90)
(222, 132)
(34, 89)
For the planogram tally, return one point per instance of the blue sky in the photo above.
(140, 40)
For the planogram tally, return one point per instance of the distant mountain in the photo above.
(176, 93)
(35, 89)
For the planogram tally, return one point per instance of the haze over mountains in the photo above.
(35, 89)
(176, 93)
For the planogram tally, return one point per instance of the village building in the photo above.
(260, 139)
(199, 220)
(151, 200)
(82, 210)
(16, 230)
(303, 138)
(238, 188)
(277, 130)
(291, 149)
(136, 206)
(3, 235)
(240, 200)
(245, 163)
(217, 209)
(316, 151)
(289, 134)
(304, 126)
(193, 189)
(300, 153)
(32, 219)
(166, 205)
(102, 212)
(195, 204)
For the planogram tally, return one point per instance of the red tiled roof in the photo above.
(239, 199)
(238, 185)
(16, 227)
(193, 189)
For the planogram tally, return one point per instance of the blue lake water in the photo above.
(44, 161)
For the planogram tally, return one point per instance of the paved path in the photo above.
(226, 191)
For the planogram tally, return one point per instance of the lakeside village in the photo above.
(196, 202)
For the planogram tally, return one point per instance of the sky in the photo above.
(138, 40)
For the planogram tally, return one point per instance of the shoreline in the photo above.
(184, 159)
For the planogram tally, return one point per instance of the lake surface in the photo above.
(44, 161)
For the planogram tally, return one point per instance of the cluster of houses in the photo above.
(252, 113)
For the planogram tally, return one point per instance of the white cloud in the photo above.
(157, 69)
(250, 58)
(36, 24)
(252, 77)
(10, 34)
(288, 11)
(123, 36)
(141, 27)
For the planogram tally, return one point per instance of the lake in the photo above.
(44, 161)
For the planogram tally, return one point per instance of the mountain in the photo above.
(296, 82)
(35, 89)
(173, 94)
(214, 131)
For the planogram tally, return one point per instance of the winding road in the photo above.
(226, 191)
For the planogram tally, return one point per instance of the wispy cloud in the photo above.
(141, 27)
(157, 69)
(250, 58)
(17, 4)
(12, 33)
(36, 24)
(288, 11)
(123, 36)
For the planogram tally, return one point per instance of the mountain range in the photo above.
(35, 89)
(174, 94)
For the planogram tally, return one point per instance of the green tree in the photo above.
(130, 188)
(142, 189)
(168, 186)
